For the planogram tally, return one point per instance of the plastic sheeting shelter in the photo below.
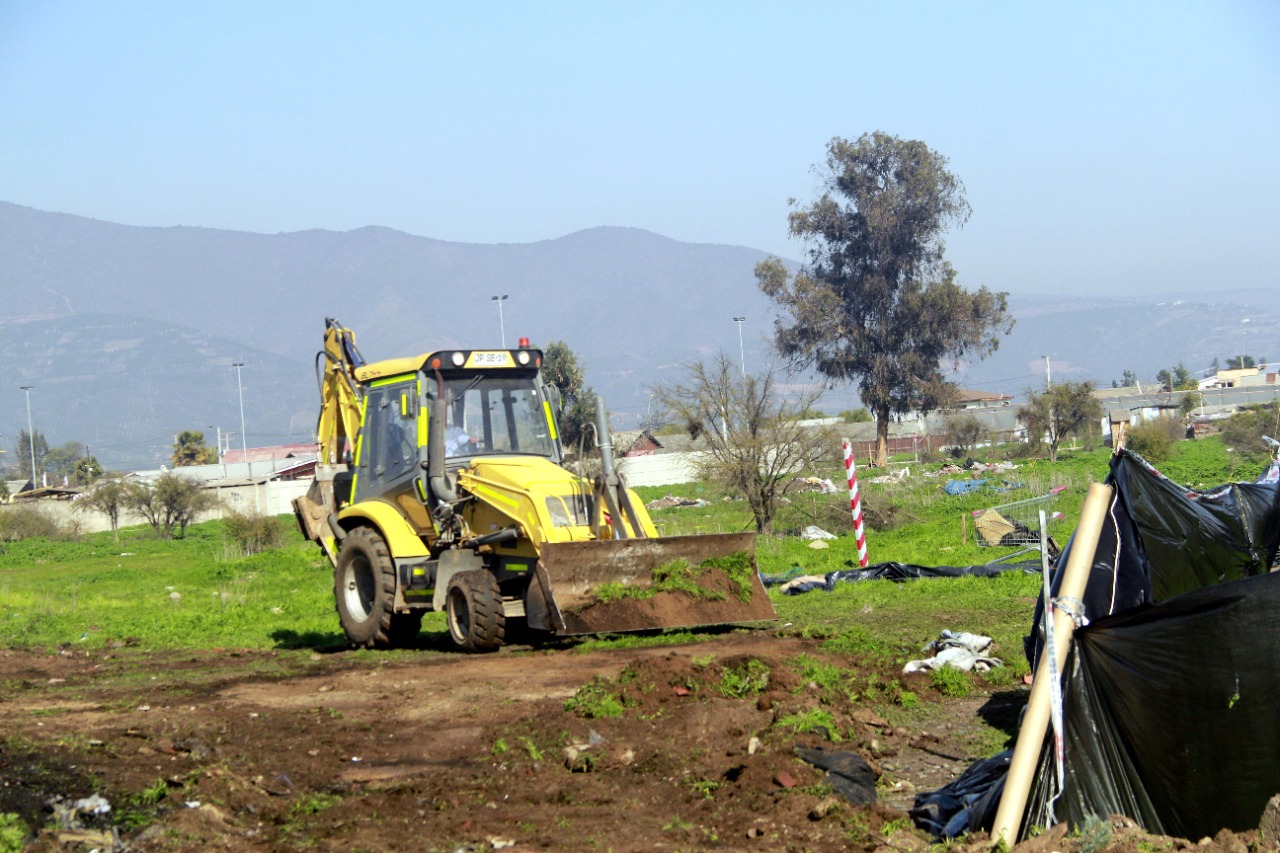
(1172, 693)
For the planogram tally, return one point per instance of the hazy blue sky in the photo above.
(1110, 147)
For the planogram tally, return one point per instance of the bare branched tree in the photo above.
(108, 499)
(169, 502)
(755, 442)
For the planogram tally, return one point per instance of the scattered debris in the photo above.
(848, 773)
(815, 484)
(962, 651)
(673, 502)
(813, 532)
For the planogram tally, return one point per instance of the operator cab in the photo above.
(496, 412)
(495, 403)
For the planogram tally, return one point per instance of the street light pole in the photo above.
(742, 353)
(244, 439)
(501, 325)
(1047, 380)
(31, 436)
(1245, 350)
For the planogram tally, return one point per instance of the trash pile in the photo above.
(84, 822)
(958, 650)
(955, 488)
(815, 484)
(672, 501)
(970, 466)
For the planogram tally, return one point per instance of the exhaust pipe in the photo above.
(606, 443)
(609, 487)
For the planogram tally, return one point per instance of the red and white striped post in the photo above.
(855, 503)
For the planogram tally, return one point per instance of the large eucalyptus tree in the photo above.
(876, 302)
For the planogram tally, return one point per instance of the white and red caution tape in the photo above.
(855, 504)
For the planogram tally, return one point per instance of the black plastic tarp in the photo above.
(893, 572)
(1172, 714)
(1171, 695)
(1161, 539)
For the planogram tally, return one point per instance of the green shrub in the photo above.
(25, 521)
(859, 415)
(1243, 432)
(1154, 440)
(254, 532)
(963, 432)
(13, 833)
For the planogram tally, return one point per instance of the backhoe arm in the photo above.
(340, 393)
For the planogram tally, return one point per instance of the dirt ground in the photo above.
(432, 750)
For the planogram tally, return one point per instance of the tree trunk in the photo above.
(882, 437)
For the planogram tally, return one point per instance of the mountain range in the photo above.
(129, 334)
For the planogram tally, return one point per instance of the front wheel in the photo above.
(364, 590)
(473, 609)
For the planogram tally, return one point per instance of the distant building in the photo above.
(275, 453)
(1245, 377)
(970, 399)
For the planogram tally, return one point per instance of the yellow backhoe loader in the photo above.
(440, 486)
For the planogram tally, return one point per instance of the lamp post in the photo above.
(1245, 346)
(501, 325)
(244, 439)
(1047, 379)
(31, 436)
(742, 353)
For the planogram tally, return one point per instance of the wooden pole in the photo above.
(1026, 753)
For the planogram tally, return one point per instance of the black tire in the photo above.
(364, 590)
(473, 609)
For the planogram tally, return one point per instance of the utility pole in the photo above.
(31, 436)
(742, 353)
(1048, 383)
(244, 438)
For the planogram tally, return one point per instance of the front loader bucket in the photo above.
(606, 586)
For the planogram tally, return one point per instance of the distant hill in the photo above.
(128, 334)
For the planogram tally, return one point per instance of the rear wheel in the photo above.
(364, 590)
(473, 609)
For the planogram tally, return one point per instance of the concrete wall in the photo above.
(267, 499)
(663, 469)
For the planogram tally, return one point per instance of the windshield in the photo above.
(496, 412)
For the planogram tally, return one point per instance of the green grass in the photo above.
(745, 679)
(812, 720)
(595, 701)
(188, 593)
(199, 592)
